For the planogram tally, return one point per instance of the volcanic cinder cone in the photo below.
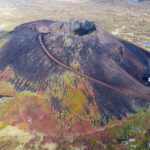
(115, 71)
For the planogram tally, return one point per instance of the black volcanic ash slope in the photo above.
(118, 63)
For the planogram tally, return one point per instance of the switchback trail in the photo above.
(122, 91)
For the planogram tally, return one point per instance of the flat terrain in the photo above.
(127, 20)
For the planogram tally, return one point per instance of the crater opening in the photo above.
(82, 27)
